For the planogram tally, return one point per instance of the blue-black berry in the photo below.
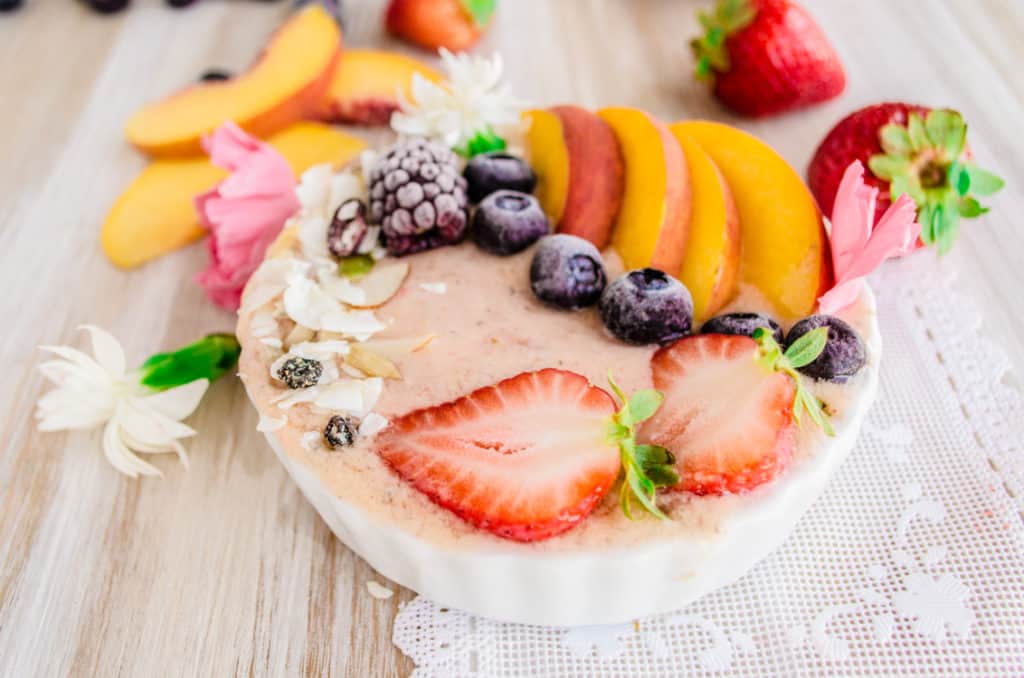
(340, 432)
(507, 222)
(299, 372)
(844, 354)
(742, 324)
(647, 306)
(567, 272)
(490, 172)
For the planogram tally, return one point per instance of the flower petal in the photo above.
(107, 350)
(120, 456)
(178, 402)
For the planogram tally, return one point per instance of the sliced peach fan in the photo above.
(857, 249)
(244, 213)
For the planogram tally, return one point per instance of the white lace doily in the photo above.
(912, 563)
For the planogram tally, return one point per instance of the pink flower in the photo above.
(244, 213)
(857, 249)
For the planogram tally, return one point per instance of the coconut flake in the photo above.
(270, 281)
(372, 424)
(270, 424)
(272, 342)
(311, 439)
(434, 287)
(263, 324)
(393, 349)
(309, 305)
(355, 396)
(341, 288)
(377, 591)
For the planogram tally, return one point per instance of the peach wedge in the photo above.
(365, 85)
(579, 169)
(712, 256)
(154, 215)
(286, 84)
(784, 248)
(653, 223)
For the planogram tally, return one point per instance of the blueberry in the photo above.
(742, 324)
(178, 4)
(567, 272)
(508, 222)
(647, 306)
(844, 353)
(9, 5)
(108, 6)
(490, 172)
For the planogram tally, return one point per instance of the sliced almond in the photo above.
(393, 349)
(370, 363)
(299, 334)
(382, 283)
(324, 335)
(283, 244)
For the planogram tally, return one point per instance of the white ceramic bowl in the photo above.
(515, 582)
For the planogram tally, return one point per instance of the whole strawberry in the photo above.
(908, 149)
(766, 56)
(453, 24)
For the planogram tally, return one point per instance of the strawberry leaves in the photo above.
(645, 468)
(709, 49)
(480, 10)
(926, 160)
(800, 353)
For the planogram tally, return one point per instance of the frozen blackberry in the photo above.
(299, 372)
(418, 197)
(348, 228)
(340, 431)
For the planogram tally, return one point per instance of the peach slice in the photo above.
(155, 215)
(365, 85)
(286, 84)
(653, 224)
(784, 248)
(712, 256)
(580, 173)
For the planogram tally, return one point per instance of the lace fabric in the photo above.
(912, 563)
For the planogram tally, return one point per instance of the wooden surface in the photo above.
(225, 569)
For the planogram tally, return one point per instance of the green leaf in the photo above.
(643, 404)
(480, 10)
(945, 227)
(483, 141)
(983, 182)
(969, 208)
(946, 130)
(816, 410)
(886, 167)
(807, 348)
(895, 139)
(209, 358)
(926, 217)
(355, 265)
(917, 132)
(652, 455)
(664, 475)
(959, 178)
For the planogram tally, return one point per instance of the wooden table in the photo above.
(225, 569)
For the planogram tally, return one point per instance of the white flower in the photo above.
(471, 101)
(94, 391)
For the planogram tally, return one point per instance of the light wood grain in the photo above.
(225, 569)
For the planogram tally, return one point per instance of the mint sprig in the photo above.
(355, 265)
(801, 352)
(209, 358)
(645, 468)
(926, 159)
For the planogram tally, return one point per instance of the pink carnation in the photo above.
(244, 213)
(857, 248)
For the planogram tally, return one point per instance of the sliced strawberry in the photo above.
(526, 459)
(726, 418)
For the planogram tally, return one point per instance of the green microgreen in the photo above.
(645, 468)
(709, 49)
(484, 141)
(355, 265)
(927, 159)
(801, 352)
(480, 10)
(209, 358)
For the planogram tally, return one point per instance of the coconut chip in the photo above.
(371, 364)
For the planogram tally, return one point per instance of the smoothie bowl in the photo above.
(512, 385)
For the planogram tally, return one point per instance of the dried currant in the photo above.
(348, 228)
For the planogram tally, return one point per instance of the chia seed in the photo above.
(300, 372)
(340, 432)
